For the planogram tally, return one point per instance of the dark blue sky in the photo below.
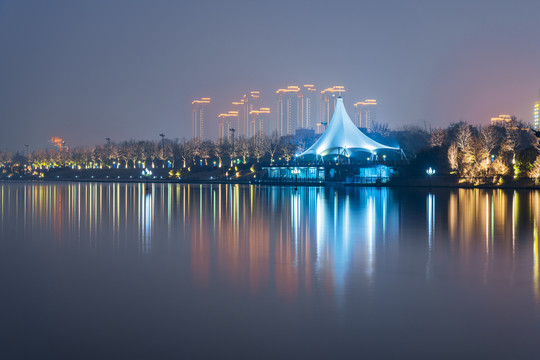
(86, 70)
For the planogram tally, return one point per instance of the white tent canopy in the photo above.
(343, 137)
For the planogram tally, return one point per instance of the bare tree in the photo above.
(128, 151)
(301, 147)
(453, 156)
(206, 150)
(489, 138)
(472, 156)
(182, 150)
(463, 137)
(260, 146)
(380, 128)
(195, 150)
(511, 143)
(437, 137)
(220, 150)
(101, 154)
(145, 151)
(274, 143)
(229, 150)
(114, 153)
(499, 167)
(287, 150)
(243, 148)
(534, 173)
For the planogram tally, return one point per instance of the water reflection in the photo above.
(430, 230)
(294, 244)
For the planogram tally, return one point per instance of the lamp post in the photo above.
(296, 171)
(147, 173)
(430, 172)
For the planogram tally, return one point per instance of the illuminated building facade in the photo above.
(248, 103)
(328, 102)
(501, 120)
(536, 115)
(287, 110)
(199, 108)
(365, 114)
(226, 122)
(258, 119)
(307, 98)
(239, 108)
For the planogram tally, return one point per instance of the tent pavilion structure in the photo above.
(342, 137)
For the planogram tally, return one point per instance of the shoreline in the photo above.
(412, 182)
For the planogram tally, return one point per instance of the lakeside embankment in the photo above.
(436, 181)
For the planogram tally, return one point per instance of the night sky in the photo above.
(86, 70)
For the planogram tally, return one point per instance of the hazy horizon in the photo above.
(85, 71)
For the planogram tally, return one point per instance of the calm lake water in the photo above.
(231, 271)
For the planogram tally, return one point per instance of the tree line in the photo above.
(164, 153)
(477, 154)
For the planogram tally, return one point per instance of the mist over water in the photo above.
(108, 270)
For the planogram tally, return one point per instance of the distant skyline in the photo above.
(85, 71)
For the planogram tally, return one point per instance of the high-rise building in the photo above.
(328, 102)
(239, 108)
(321, 127)
(287, 110)
(258, 121)
(536, 115)
(248, 102)
(307, 98)
(199, 108)
(365, 114)
(226, 122)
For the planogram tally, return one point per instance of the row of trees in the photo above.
(477, 154)
(481, 154)
(165, 153)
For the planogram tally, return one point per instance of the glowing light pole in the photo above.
(296, 171)
(430, 173)
(147, 173)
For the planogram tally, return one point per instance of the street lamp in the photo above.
(430, 173)
(147, 173)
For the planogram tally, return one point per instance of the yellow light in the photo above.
(334, 89)
(201, 101)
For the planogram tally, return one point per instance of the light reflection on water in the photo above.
(321, 246)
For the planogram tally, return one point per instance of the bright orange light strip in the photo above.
(203, 100)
